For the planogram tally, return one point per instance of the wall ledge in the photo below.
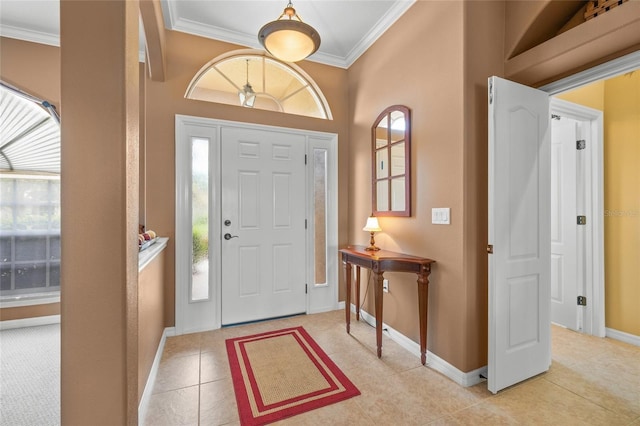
(612, 34)
(29, 322)
(146, 256)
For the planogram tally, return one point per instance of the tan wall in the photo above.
(32, 67)
(150, 316)
(619, 98)
(33, 311)
(483, 30)
(99, 82)
(609, 36)
(406, 67)
(186, 54)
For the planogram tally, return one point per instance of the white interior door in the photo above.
(564, 267)
(519, 231)
(263, 200)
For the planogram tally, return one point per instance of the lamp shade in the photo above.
(288, 38)
(372, 225)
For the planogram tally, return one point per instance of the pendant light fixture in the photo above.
(247, 95)
(288, 38)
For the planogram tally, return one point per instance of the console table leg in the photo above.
(377, 285)
(357, 293)
(347, 302)
(423, 302)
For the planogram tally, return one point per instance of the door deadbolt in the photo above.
(227, 222)
(228, 236)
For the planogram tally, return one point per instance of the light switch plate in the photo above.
(441, 216)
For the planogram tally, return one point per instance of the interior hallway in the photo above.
(592, 381)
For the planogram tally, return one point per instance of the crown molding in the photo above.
(46, 38)
(30, 35)
(174, 22)
(393, 14)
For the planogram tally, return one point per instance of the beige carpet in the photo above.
(30, 376)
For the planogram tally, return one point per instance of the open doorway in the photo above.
(605, 254)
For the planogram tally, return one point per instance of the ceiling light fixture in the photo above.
(288, 38)
(247, 95)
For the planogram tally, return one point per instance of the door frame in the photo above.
(592, 260)
(613, 68)
(213, 128)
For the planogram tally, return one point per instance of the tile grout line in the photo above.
(585, 398)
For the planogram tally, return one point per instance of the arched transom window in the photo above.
(278, 86)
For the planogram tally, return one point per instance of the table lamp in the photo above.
(372, 226)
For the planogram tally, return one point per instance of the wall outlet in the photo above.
(385, 285)
(441, 216)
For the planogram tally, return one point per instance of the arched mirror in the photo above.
(391, 162)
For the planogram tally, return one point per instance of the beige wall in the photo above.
(99, 80)
(34, 68)
(150, 316)
(186, 54)
(619, 98)
(435, 60)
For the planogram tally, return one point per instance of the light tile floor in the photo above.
(592, 381)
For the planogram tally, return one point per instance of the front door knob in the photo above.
(228, 236)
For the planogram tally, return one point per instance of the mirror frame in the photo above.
(386, 115)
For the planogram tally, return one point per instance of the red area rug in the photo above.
(281, 374)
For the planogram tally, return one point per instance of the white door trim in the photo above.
(593, 315)
(183, 212)
(610, 69)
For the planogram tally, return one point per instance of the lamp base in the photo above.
(372, 244)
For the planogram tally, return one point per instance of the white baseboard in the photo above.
(433, 361)
(30, 322)
(622, 336)
(148, 387)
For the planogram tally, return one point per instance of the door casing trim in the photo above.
(183, 213)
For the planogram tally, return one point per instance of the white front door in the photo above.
(519, 231)
(564, 267)
(263, 224)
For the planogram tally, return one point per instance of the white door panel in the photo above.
(263, 264)
(563, 223)
(519, 231)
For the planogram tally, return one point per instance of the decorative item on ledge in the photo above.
(598, 7)
(146, 239)
(372, 226)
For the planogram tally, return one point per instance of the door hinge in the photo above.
(490, 248)
(581, 144)
(305, 224)
(555, 117)
(305, 159)
(582, 220)
(490, 91)
(306, 288)
(582, 301)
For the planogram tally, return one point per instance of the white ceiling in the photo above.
(346, 27)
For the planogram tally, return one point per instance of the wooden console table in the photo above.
(379, 262)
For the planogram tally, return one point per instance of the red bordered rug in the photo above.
(282, 373)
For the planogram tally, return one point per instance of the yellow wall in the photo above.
(619, 98)
(622, 203)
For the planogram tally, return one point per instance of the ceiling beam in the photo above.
(153, 24)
